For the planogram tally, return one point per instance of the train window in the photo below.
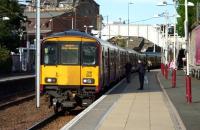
(70, 54)
(57, 52)
(50, 54)
(89, 54)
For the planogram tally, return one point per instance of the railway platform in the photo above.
(15, 84)
(158, 106)
(15, 76)
(189, 113)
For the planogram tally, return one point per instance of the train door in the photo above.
(69, 69)
(104, 66)
(116, 60)
(108, 66)
(111, 65)
(120, 64)
(90, 73)
(106, 69)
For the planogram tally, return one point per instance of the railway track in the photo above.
(12, 102)
(16, 89)
(44, 122)
(56, 120)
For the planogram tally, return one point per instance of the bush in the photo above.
(5, 60)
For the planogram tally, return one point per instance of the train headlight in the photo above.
(88, 81)
(50, 80)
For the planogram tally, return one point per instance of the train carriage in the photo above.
(154, 58)
(75, 67)
(133, 58)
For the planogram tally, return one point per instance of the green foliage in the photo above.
(10, 30)
(191, 16)
(5, 60)
(4, 54)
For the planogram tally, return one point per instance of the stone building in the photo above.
(61, 15)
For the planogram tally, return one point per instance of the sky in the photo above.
(138, 11)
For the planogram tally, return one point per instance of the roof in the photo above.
(41, 31)
(48, 14)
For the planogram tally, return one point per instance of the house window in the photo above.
(47, 24)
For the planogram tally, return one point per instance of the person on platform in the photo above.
(149, 65)
(128, 69)
(141, 72)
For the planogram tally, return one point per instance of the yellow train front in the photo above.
(72, 68)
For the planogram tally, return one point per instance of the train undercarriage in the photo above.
(62, 98)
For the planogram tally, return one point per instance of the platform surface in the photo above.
(127, 108)
(139, 109)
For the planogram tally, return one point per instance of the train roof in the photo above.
(70, 33)
(82, 34)
(106, 43)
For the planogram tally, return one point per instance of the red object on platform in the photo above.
(162, 68)
(188, 89)
(166, 71)
(174, 78)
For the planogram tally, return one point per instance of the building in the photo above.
(61, 15)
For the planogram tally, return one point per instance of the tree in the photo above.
(5, 60)
(191, 16)
(11, 29)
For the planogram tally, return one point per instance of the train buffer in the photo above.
(126, 108)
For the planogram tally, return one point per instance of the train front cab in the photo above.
(70, 70)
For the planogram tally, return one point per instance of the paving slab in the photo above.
(146, 109)
(189, 113)
(127, 108)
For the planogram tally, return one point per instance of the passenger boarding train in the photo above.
(76, 67)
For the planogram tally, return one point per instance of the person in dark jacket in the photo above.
(141, 71)
(128, 68)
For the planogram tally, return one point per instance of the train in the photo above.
(154, 58)
(194, 52)
(76, 67)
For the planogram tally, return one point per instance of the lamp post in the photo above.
(164, 66)
(174, 50)
(164, 3)
(38, 54)
(188, 78)
(128, 24)
(174, 57)
(75, 18)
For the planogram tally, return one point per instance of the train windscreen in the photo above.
(69, 54)
(89, 54)
(50, 52)
(62, 53)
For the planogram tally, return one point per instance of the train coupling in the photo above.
(55, 102)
